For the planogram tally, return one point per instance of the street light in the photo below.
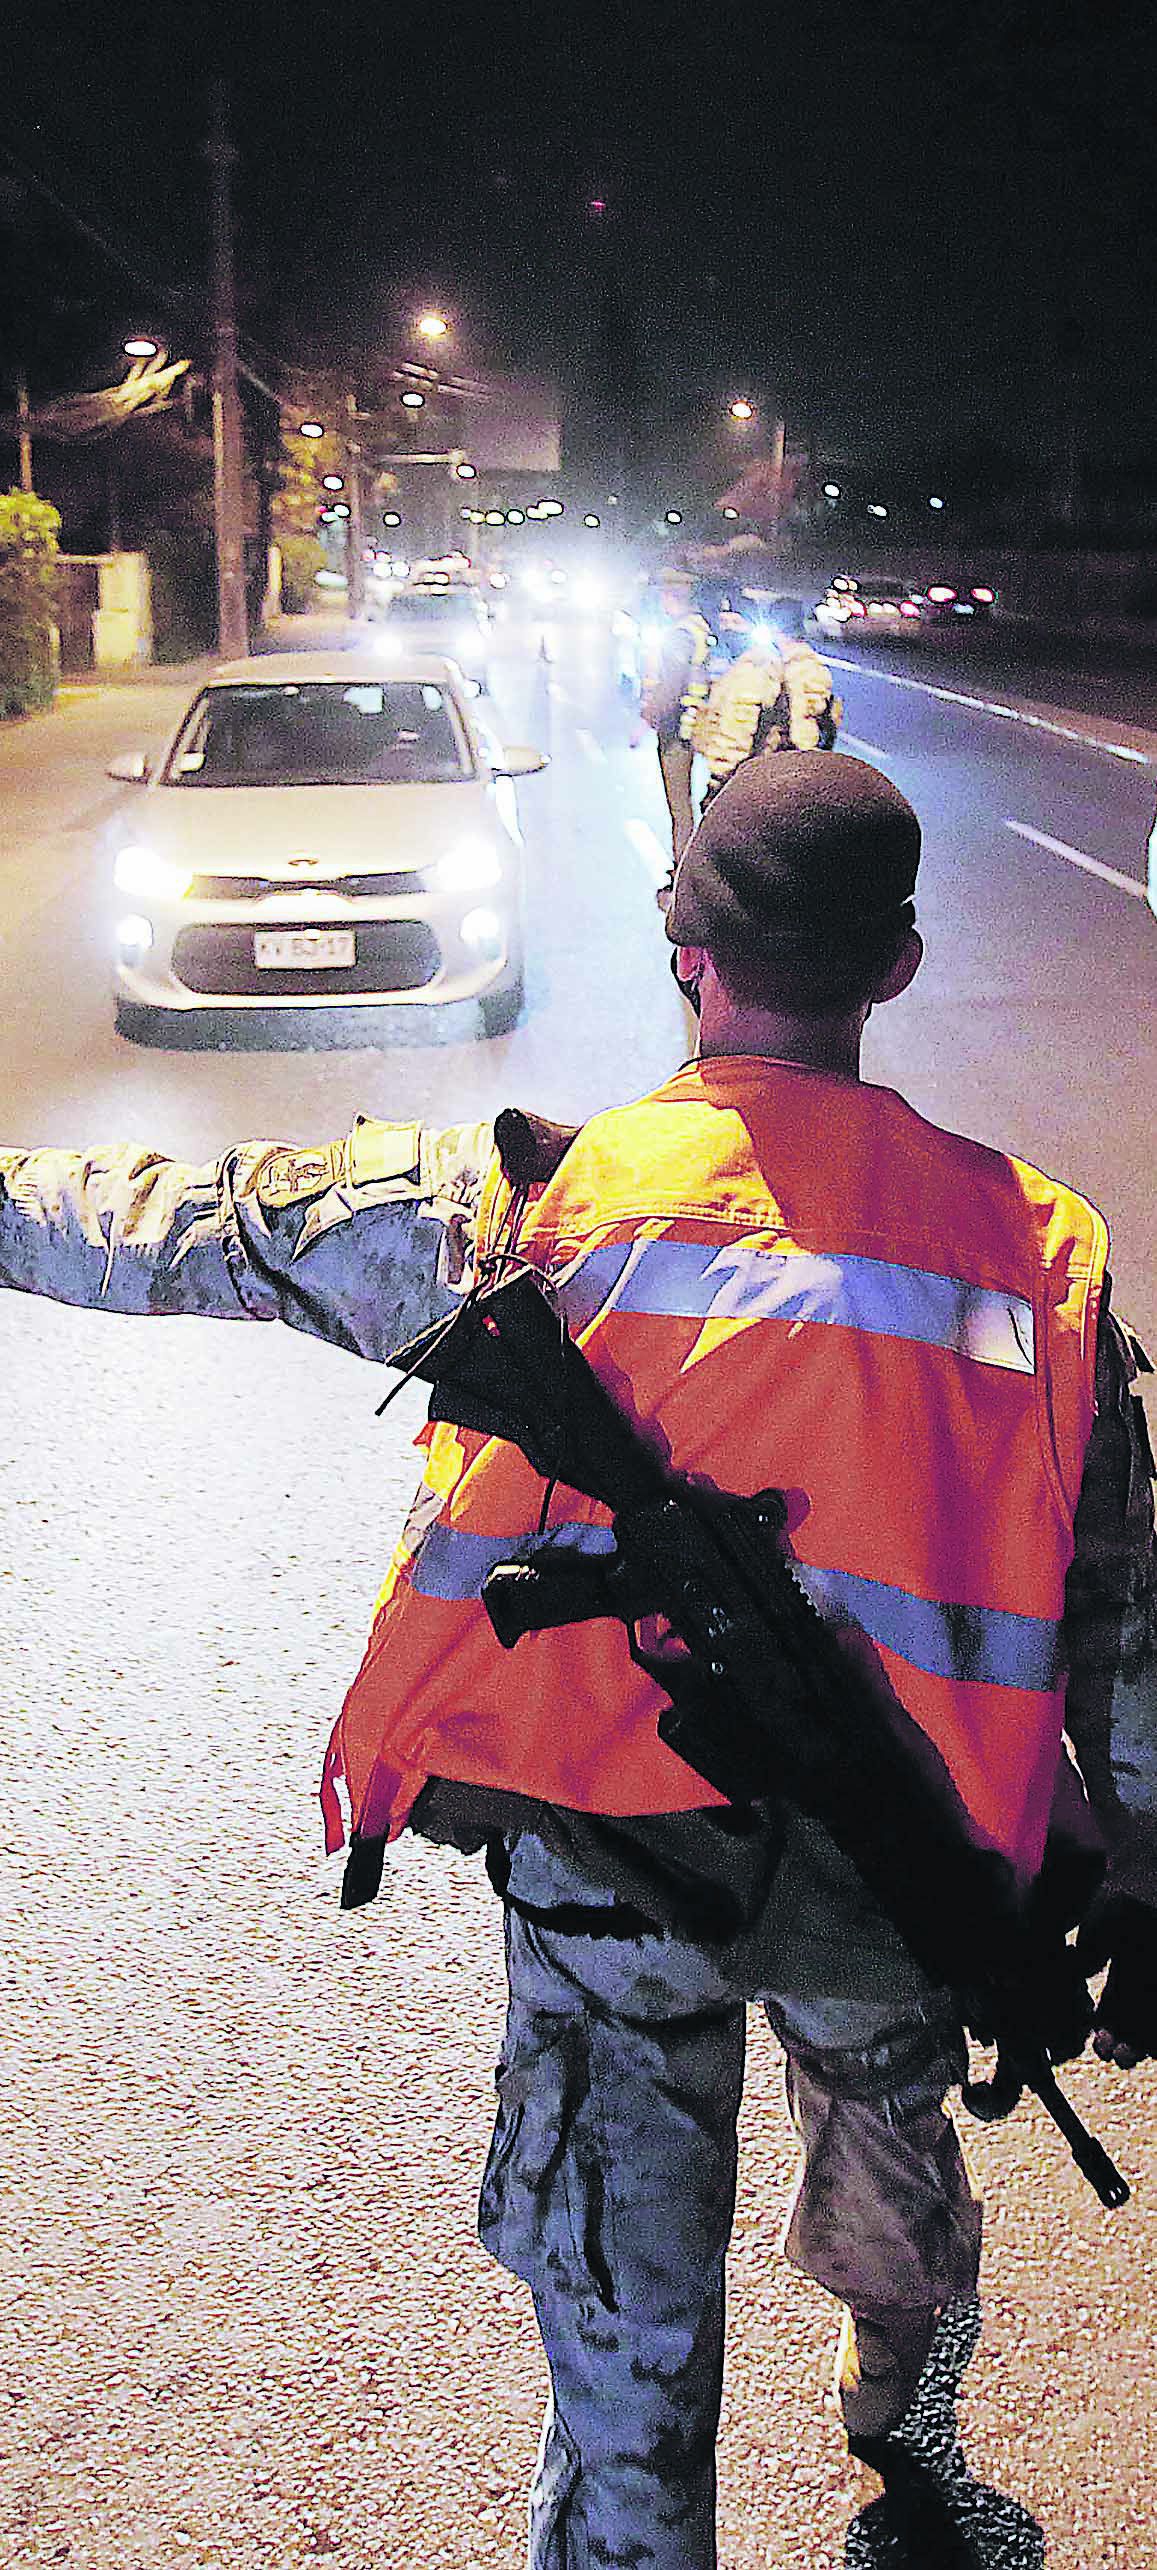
(432, 325)
(935, 503)
(413, 401)
(731, 513)
(673, 517)
(142, 347)
(590, 519)
(332, 482)
(516, 517)
(876, 509)
(831, 490)
(311, 428)
(742, 411)
(465, 473)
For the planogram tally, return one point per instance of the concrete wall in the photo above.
(121, 620)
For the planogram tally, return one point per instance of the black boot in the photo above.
(934, 2514)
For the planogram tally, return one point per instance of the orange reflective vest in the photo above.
(787, 1278)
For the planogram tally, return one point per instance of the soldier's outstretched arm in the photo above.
(361, 1242)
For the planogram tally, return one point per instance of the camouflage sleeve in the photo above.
(360, 1242)
(1110, 1622)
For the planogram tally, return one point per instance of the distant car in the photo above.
(941, 604)
(322, 831)
(857, 607)
(446, 618)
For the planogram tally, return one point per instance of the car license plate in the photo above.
(302, 949)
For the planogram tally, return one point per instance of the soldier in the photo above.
(800, 1281)
(774, 693)
(675, 684)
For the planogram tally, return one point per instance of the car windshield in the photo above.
(321, 732)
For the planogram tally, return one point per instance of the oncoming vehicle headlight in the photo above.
(151, 878)
(468, 868)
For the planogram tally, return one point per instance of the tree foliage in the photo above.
(29, 530)
(299, 493)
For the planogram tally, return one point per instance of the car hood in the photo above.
(268, 829)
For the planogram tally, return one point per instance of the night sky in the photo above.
(906, 223)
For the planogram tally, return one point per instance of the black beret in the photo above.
(804, 853)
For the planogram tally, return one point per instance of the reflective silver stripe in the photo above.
(697, 1280)
(451, 1562)
(975, 1645)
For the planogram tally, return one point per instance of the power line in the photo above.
(31, 178)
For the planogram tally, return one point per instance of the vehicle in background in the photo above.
(856, 607)
(322, 832)
(443, 616)
(941, 604)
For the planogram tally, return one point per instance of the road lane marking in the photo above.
(1007, 713)
(866, 749)
(591, 748)
(647, 846)
(1077, 857)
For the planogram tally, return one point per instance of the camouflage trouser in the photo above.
(610, 2185)
(676, 759)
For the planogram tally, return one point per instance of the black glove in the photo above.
(1123, 1934)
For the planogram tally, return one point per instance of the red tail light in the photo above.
(941, 597)
(856, 607)
(909, 608)
(987, 597)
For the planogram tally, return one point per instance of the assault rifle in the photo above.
(767, 1701)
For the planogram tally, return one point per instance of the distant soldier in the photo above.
(676, 684)
(773, 693)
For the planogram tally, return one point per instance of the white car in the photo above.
(322, 831)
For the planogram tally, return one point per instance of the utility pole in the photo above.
(228, 485)
(355, 560)
(23, 415)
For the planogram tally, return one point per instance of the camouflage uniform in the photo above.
(610, 2186)
(361, 1241)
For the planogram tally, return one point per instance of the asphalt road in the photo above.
(243, 2320)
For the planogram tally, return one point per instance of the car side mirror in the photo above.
(519, 760)
(131, 768)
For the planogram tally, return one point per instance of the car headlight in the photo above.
(150, 877)
(468, 868)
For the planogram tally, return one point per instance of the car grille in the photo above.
(393, 955)
(263, 887)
